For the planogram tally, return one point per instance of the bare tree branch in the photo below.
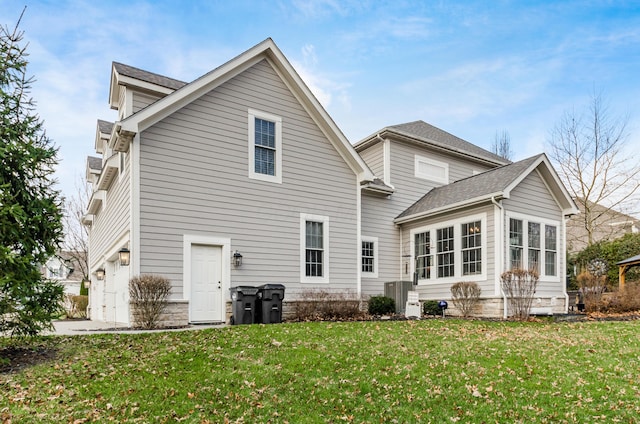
(589, 151)
(76, 242)
(502, 145)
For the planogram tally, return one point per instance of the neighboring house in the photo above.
(609, 224)
(60, 268)
(245, 160)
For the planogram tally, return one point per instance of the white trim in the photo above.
(359, 237)
(525, 239)
(387, 161)
(325, 247)
(457, 251)
(428, 161)
(373, 274)
(134, 204)
(252, 115)
(225, 244)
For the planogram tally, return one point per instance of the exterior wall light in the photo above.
(100, 274)
(125, 256)
(237, 259)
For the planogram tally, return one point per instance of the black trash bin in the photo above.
(243, 305)
(269, 303)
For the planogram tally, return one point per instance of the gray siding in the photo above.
(374, 158)
(142, 100)
(194, 180)
(442, 290)
(532, 198)
(113, 218)
(378, 213)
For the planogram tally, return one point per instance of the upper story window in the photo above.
(526, 245)
(432, 170)
(265, 146)
(314, 248)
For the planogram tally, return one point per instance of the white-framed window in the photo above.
(431, 169)
(472, 248)
(529, 249)
(314, 248)
(445, 257)
(369, 248)
(422, 254)
(450, 251)
(265, 146)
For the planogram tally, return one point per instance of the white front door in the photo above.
(207, 299)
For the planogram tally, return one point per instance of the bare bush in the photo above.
(465, 296)
(76, 305)
(592, 287)
(148, 295)
(320, 305)
(519, 285)
(624, 300)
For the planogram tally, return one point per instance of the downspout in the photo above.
(564, 285)
(505, 314)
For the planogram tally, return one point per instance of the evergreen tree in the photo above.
(30, 207)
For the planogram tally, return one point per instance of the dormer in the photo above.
(94, 168)
(133, 89)
(103, 133)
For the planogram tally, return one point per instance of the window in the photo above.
(550, 247)
(534, 246)
(265, 147)
(370, 257)
(445, 252)
(516, 246)
(450, 249)
(471, 248)
(432, 170)
(423, 255)
(527, 243)
(314, 249)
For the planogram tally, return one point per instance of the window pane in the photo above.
(534, 235)
(445, 254)
(550, 237)
(471, 248)
(367, 256)
(314, 249)
(423, 255)
(550, 263)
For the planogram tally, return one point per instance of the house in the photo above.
(61, 268)
(245, 161)
(608, 224)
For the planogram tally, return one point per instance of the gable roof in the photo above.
(146, 76)
(496, 183)
(126, 75)
(426, 134)
(266, 50)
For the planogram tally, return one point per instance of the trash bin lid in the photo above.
(248, 290)
(272, 286)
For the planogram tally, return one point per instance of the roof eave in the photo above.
(454, 206)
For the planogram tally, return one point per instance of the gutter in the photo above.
(505, 313)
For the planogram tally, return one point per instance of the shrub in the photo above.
(381, 305)
(465, 296)
(519, 285)
(591, 288)
(622, 301)
(430, 307)
(76, 305)
(320, 305)
(148, 295)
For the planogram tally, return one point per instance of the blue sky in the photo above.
(471, 68)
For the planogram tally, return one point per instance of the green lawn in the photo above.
(402, 371)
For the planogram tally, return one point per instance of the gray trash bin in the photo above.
(269, 303)
(243, 305)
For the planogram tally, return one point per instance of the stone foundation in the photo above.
(494, 307)
(176, 314)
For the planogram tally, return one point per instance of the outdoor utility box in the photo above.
(243, 305)
(398, 291)
(269, 303)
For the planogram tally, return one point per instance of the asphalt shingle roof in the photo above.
(94, 162)
(105, 126)
(487, 183)
(429, 133)
(147, 76)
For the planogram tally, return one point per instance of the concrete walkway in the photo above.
(87, 327)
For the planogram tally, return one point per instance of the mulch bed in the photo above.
(14, 359)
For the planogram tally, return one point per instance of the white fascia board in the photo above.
(451, 207)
